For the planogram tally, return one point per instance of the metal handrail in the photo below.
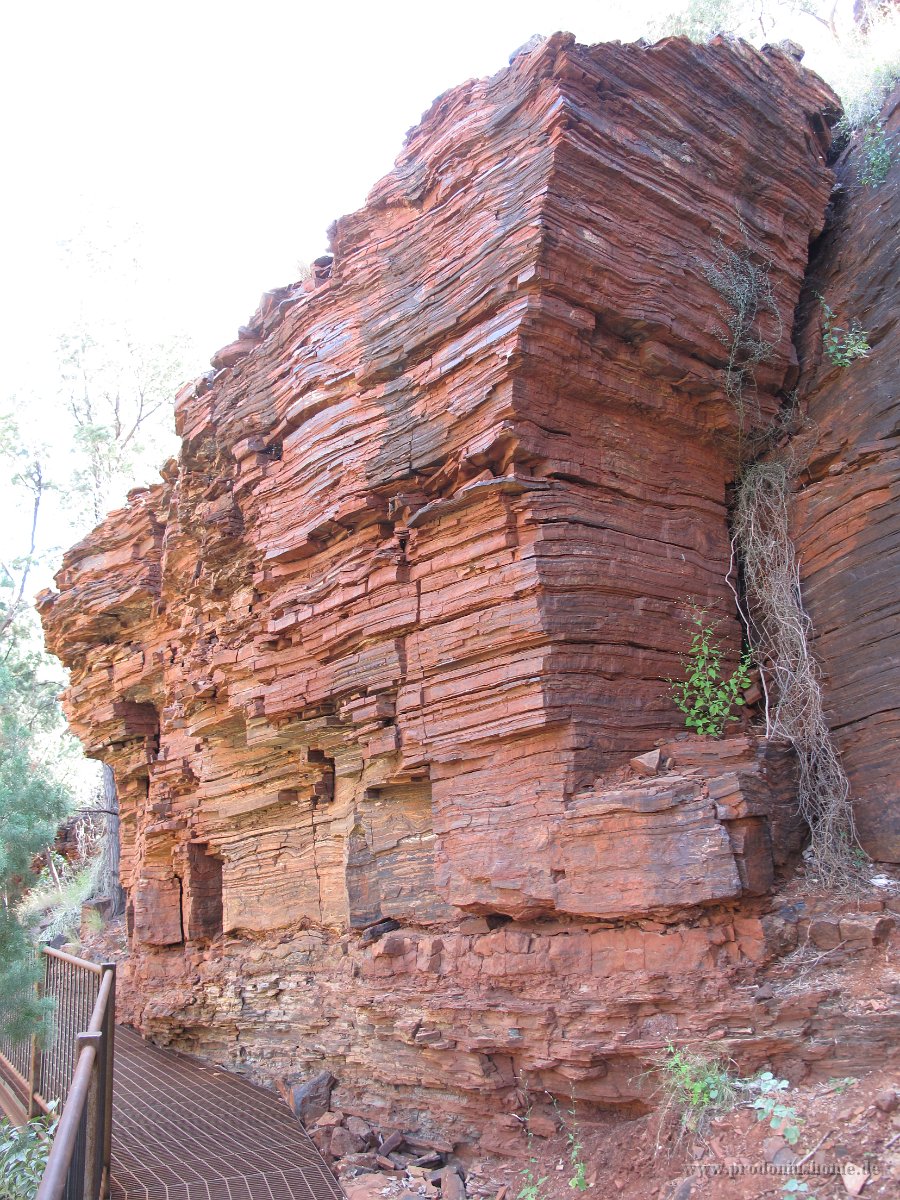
(82, 963)
(77, 1072)
(79, 1164)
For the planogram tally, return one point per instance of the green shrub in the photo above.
(842, 346)
(531, 1185)
(23, 1156)
(874, 157)
(705, 695)
(698, 1087)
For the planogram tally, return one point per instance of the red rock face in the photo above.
(847, 508)
(416, 582)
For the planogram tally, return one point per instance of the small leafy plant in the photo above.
(576, 1149)
(842, 346)
(768, 1107)
(874, 157)
(705, 695)
(696, 1086)
(797, 1187)
(23, 1156)
(531, 1184)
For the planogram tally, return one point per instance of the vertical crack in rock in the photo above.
(844, 511)
(315, 862)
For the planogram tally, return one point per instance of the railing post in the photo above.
(92, 1118)
(35, 1060)
(109, 1034)
(32, 1076)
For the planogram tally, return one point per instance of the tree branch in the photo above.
(36, 481)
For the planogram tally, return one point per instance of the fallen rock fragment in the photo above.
(647, 765)
(366, 1187)
(361, 1129)
(393, 1141)
(854, 1179)
(343, 1142)
(451, 1184)
(310, 1100)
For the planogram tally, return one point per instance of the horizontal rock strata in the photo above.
(371, 655)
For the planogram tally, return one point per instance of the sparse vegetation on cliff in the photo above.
(54, 903)
(744, 286)
(570, 1126)
(769, 1106)
(698, 1087)
(874, 157)
(706, 696)
(780, 632)
(778, 627)
(842, 346)
(694, 1086)
(532, 1181)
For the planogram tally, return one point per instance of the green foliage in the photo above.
(119, 400)
(705, 695)
(874, 157)
(98, 427)
(839, 1086)
(842, 346)
(570, 1127)
(531, 1183)
(867, 70)
(699, 20)
(755, 20)
(23, 1156)
(768, 1106)
(797, 1187)
(58, 906)
(698, 1087)
(579, 1179)
(33, 800)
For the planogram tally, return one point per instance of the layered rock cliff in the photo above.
(846, 511)
(368, 664)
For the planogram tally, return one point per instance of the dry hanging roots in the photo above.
(780, 630)
(747, 293)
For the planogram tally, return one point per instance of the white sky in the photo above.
(231, 133)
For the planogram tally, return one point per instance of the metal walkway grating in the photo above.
(186, 1130)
